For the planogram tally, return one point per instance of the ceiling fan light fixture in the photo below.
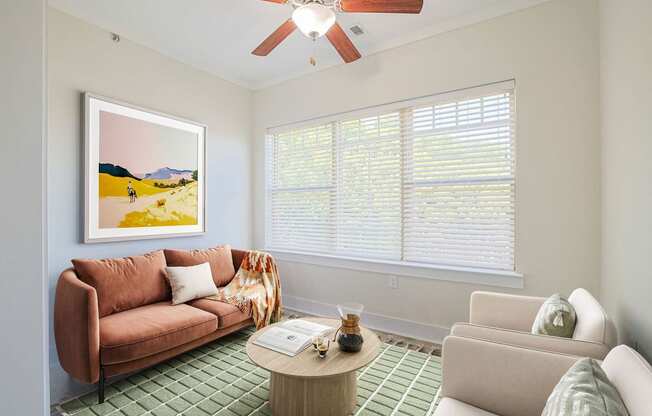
(314, 19)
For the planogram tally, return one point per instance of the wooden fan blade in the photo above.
(382, 6)
(342, 44)
(275, 38)
(277, 1)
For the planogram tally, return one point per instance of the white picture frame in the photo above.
(94, 231)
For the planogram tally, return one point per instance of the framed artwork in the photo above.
(144, 173)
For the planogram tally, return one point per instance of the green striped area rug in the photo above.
(218, 379)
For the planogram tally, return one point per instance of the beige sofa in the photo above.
(508, 319)
(482, 378)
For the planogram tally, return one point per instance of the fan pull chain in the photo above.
(313, 60)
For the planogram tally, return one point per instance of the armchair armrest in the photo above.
(501, 379)
(528, 340)
(77, 327)
(500, 310)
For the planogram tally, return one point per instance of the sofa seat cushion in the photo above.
(227, 314)
(452, 407)
(151, 329)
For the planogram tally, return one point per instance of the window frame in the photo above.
(464, 274)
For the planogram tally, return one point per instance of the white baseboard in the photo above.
(398, 326)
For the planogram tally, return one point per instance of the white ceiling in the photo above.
(218, 35)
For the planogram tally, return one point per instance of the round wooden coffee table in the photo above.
(306, 385)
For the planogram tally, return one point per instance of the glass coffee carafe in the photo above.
(350, 339)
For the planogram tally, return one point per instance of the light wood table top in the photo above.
(307, 363)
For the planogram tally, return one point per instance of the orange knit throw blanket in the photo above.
(255, 289)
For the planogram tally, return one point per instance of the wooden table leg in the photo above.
(305, 396)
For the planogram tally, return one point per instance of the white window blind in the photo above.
(302, 193)
(429, 180)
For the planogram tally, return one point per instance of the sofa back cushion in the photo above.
(585, 389)
(593, 324)
(632, 376)
(219, 259)
(125, 283)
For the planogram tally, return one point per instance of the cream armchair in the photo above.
(483, 378)
(508, 319)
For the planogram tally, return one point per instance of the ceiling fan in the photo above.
(316, 18)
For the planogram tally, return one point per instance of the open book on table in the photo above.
(292, 336)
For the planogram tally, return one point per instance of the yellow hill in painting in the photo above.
(174, 207)
(114, 186)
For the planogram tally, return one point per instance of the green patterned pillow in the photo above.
(585, 390)
(556, 317)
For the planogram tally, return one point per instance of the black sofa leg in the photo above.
(100, 387)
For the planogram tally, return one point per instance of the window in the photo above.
(426, 181)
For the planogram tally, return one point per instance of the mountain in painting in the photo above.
(169, 173)
(116, 171)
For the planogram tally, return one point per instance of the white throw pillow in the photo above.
(191, 282)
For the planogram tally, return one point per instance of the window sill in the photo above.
(419, 270)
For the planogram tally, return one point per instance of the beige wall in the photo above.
(552, 51)
(23, 252)
(82, 57)
(626, 85)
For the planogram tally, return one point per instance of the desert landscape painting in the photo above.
(144, 173)
(148, 174)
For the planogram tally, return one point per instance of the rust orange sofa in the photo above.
(93, 345)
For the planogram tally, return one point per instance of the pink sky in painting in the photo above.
(142, 147)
